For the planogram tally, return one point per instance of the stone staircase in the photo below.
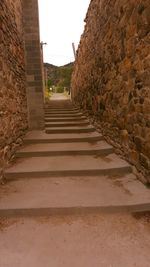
(69, 168)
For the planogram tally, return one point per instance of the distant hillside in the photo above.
(59, 76)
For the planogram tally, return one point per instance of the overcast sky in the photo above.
(61, 24)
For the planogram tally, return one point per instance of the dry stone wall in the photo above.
(13, 107)
(111, 78)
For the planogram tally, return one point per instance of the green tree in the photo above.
(49, 83)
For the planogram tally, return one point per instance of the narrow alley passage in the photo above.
(75, 166)
(70, 200)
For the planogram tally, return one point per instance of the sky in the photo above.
(61, 24)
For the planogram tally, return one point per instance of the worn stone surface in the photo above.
(13, 106)
(111, 78)
(104, 240)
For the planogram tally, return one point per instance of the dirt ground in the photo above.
(104, 240)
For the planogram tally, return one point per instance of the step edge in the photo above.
(9, 175)
(51, 211)
(97, 152)
(60, 140)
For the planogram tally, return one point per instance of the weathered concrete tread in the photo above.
(66, 124)
(71, 129)
(61, 119)
(62, 115)
(53, 149)
(42, 137)
(62, 112)
(68, 195)
(67, 165)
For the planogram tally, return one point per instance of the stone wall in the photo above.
(13, 107)
(111, 78)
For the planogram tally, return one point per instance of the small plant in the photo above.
(59, 89)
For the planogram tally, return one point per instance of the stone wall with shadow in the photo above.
(111, 78)
(13, 101)
(21, 84)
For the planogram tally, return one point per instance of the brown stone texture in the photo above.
(13, 107)
(111, 78)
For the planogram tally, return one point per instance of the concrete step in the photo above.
(71, 129)
(66, 124)
(39, 150)
(31, 197)
(52, 109)
(65, 109)
(61, 119)
(67, 165)
(64, 106)
(60, 105)
(35, 137)
(63, 115)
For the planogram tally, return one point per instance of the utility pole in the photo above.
(42, 43)
(42, 48)
(74, 51)
(43, 69)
